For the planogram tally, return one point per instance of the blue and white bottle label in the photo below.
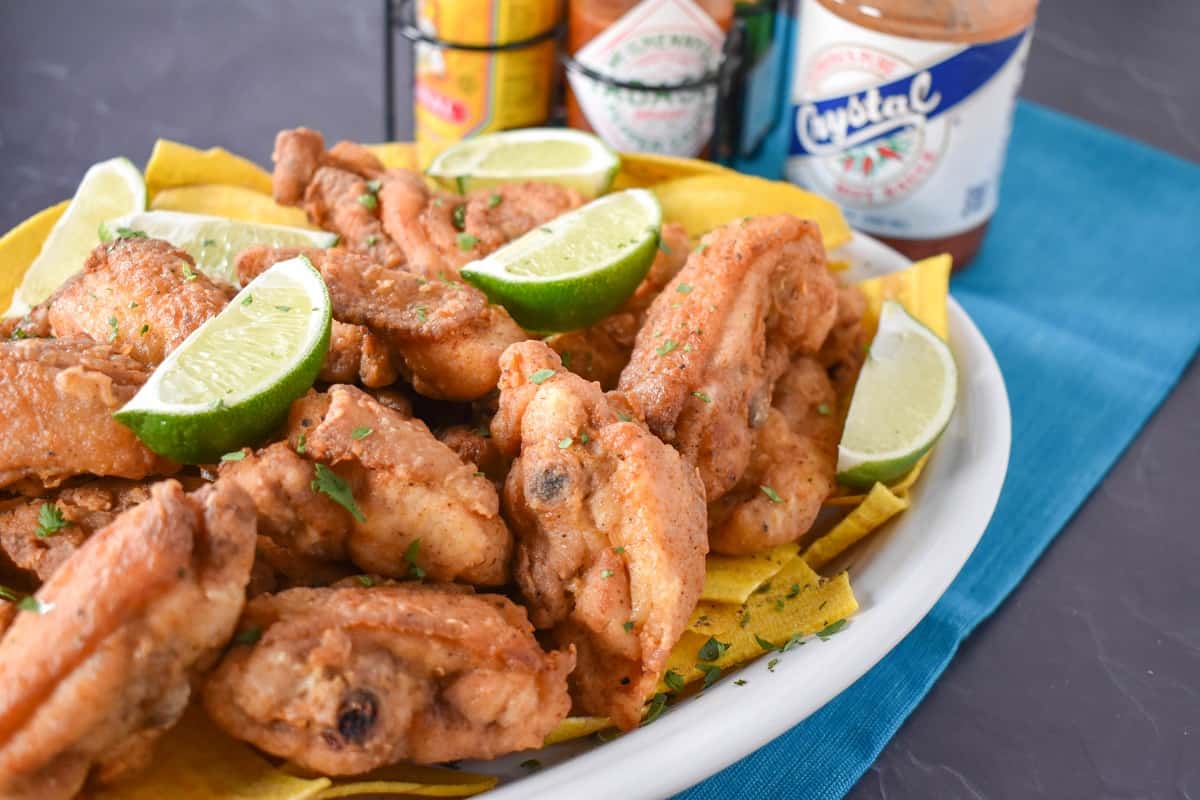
(908, 136)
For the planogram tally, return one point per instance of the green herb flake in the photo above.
(50, 521)
(208, 242)
(771, 664)
(779, 604)
(771, 494)
(830, 630)
(466, 241)
(130, 233)
(17, 335)
(142, 331)
(702, 395)
(374, 186)
(541, 376)
(112, 329)
(494, 200)
(366, 581)
(793, 642)
(766, 587)
(423, 313)
(301, 444)
(458, 217)
(189, 274)
(795, 590)
(764, 644)
(133, 304)
(700, 248)
(371, 241)
(740, 682)
(666, 347)
(674, 680)
(823, 410)
(621, 415)
(410, 555)
(563, 444)
(361, 432)
(236, 455)
(628, 626)
(248, 300)
(619, 550)
(712, 649)
(330, 483)
(683, 288)
(711, 673)
(9, 595)
(31, 603)
(606, 573)
(745, 620)
(249, 635)
(483, 431)
(368, 201)
(583, 438)
(655, 710)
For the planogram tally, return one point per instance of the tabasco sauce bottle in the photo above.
(902, 111)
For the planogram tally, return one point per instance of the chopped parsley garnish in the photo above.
(745, 620)
(657, 704)
(621, 415)
(365, 581)
(823, 410)
(8, 594)
(301, 444)
(368, 201)
(795, 590)
(702, 395)
(618, 550)
(766, 587)
(830, 630)
(771, 494)
(423, 313)
(189, 274)
(566, 359)
(31, 603)
(112, 329)
(361, 432)
(666, 347)
(466, 241)
(700, 248)
(541, 376)
(674, 680)
(740, 682)
(50, 520)
(371, 240)
(606, 573)
(531, 764)
(494, 200)
(330, 483)
(208, 242)
(130, 233)
(284, 309)
(249, 635)
(142, 331)
(711, 673)
(373, 186)
(17, 335)
(583, 438)
(628, 626)
(133, 304)
(795, 640)
(248, 299)
(563, 444)
(683, 288)
(459, 218)
(236, 455)
(779, 604)
(771, 664)
(764, 644)
(712, 649)
(410, 555)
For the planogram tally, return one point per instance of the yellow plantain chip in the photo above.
(731, 579)
(233, 202)
(922, 289)
(400, 155)
(704, 202)
(195, 761)
(412, 781)
(175, 164)
(795, 603)
(879, 506)
(21, 245)
(711, 618)
(639, 170)
(576, 728)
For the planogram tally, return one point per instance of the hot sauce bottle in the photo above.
(653, 43)
(902, 111)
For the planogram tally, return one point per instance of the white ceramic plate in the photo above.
(897, 576)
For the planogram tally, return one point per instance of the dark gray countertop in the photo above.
(1085, 684)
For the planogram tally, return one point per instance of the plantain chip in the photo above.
(21, 245)
(795, 603)
(880, 505)
(196, 761)
(639, 170)
(704, 202)
(233, 202)
(175, 164)
(412, 781)
(922, 289)
(731, 579)
(576, 728)
(397, 155)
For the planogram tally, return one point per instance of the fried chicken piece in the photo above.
(440, 232)
(296, 157)
(354, 157)
(127, 623)
(795, 457)
(446, 337)
(358, 354)
(705, 360)
(845, 349)
(336, 200)
(344, 680)
(474, 445)
(57, 398)
(611, 531)
(82, 509)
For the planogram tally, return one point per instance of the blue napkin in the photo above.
(1088, 290)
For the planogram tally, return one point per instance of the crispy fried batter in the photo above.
(57, 398)
(846, 348)
(795, 457)
(128, 621)
(344, 680)
(358, 354)
(474, 445)
(706, 359)
(297, 155)
(610, 527)
(341, 202)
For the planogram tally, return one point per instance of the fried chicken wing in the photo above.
(706, 358)
(57, 397)
(75, 513)
(344, 680)
(610, 526)
(90, 682)
(791, 469)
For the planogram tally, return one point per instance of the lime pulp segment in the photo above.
(557, 155)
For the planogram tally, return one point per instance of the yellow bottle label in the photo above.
(462, 93)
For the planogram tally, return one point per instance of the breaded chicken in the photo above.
(358, 354)
(57, 398)
(791, 470)
(343, 680)
(845, 349)
(445, 337)
(296, 157)
(707, 356)
(342, 202)
(125, 625)
(611, 530)
(74, 514)
(474, 445)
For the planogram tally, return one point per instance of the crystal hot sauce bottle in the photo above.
(654, 43)
(902, 114)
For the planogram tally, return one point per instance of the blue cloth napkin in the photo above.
(1088, 290)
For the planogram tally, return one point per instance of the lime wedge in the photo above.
(214, 241)
(231, 382)
(108, 189)
(550, 155)
(576, 269)
(902, 401)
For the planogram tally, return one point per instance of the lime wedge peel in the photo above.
(551, 155)
(108, 189)
(576, 269)
(233, 379)
(902, 402)
(215, 241)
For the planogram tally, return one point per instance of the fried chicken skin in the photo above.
(57, 398)
(794, 456)
(474, 445)
(75, 514)
(845, 349)
(356, 353)
(611, 531)
(296, 157)
(706, 358)
(445, 337)
(344, 680)
(126, 624)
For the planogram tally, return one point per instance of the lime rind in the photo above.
(233, 379)
(888, 407)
